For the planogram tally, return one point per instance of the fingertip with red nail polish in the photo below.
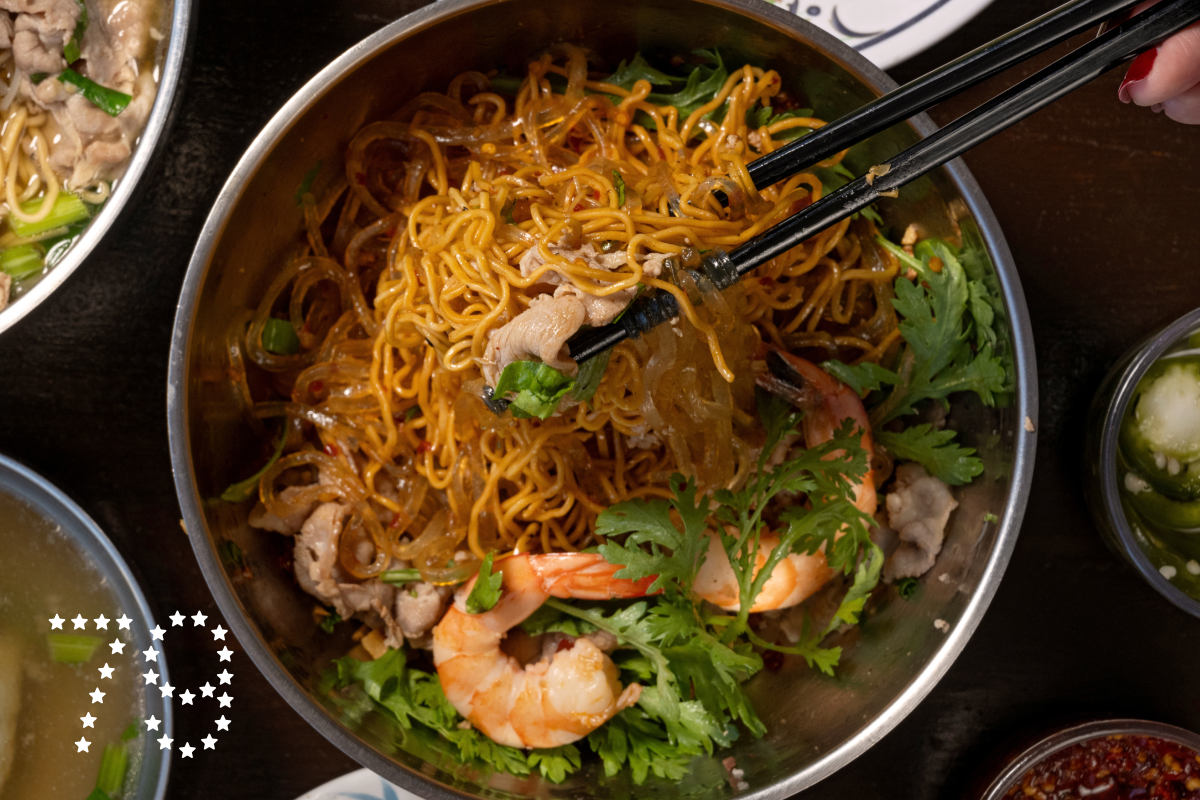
(1138, 70)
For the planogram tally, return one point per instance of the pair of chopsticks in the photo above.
(1090, 61)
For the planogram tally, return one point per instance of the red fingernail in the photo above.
(1138, 70)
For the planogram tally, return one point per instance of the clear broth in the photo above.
(43, 574)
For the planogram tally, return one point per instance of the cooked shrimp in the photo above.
(555, 701)
(826, 403)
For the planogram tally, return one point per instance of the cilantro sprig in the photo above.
(415, 701)
(486, 591)
(667, 538)
(949, 334)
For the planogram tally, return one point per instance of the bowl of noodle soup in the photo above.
(89, 90)
(301, 215)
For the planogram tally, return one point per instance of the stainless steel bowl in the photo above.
(1101, 479)
(1063, 738)
(34, 491)
(169, 63)
(896, 657)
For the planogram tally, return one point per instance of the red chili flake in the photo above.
(360, 179)
(661, 154)
(774, 79)
(390, 232)
(564, 644)
(579, 207)
(332, 450)
(424, 446)
(596, 193)
(773, 660)
(767, 281)
(316, 387)
(506, 171)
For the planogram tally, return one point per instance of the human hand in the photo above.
(1167, 77)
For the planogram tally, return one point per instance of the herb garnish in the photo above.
(948, 348)
(486, 591)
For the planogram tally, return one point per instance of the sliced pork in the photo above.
(541, 332)
(918, 509)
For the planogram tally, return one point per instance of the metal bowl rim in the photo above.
(180, 445)
(1083, 732)
(148, 143)
(63, 508)
(1144, 355)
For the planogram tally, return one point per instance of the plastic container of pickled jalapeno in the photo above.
(1143, 460)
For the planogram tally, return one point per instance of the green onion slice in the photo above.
(71, 49)
(280, 337)
(400, 576)
(68, 649)
(112, 769)
(21, 262)
(110, 101)
(68, 209)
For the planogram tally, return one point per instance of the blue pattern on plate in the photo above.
(870, 37)
(388, 793)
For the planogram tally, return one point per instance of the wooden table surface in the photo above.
(1099, 202)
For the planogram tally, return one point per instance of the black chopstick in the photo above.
(927, 91)
(1064, 76)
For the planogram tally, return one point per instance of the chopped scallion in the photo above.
(71, 48)
(68, 209)
(132, 731)
(399, 576)
(37, 77)
(280, 337)
(68, 649)
(112, 769)
(110, 101)
(21, 262)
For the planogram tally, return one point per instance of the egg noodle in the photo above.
(411, 262)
